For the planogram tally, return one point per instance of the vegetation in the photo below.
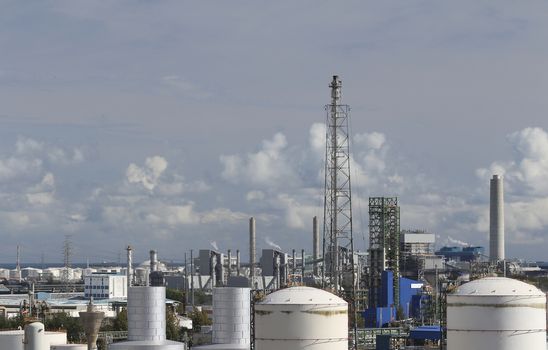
(118, 323)
(199, 319)
(12, 323)
(63, 321)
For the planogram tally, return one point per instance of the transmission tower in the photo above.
(67, 257)
(337, 226)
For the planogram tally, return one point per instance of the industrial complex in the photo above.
(403, 292)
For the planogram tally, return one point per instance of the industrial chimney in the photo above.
(252, 242)
(129, 272)
(496, 220)
(315, 245)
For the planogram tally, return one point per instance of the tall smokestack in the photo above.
(315, 245)
(252, 242)
(238, 262)
(153, 261)
(496, 220)
(229, 265)
(129, 272)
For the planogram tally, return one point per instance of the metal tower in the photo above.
(67, 258)
(384, 244)
(338, 246)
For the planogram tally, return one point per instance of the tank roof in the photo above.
(302, 295)
(499, 286)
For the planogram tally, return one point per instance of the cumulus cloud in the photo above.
(147, 175)
(270, 166)
(526, 174)
(42, 193)
(28, 147)
(526, 188)
(185, 87)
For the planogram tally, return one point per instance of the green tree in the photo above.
(199, 319)
(61, 320)
(12, 323)
(118, 323)
(173, 331)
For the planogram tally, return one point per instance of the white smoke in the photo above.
(458, 242)
(272, 244)
(214, 245)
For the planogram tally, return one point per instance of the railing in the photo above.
(108, 336)
(367, 337)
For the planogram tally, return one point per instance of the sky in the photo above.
(167, 124)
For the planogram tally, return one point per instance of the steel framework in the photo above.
(384, 244)
(339, 269)
(338, 246)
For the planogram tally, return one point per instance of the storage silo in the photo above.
(301, 318)
(35, 337)
(496, 313)
(231, 315)
(69, 347)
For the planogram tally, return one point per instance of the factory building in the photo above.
(105, 286)
(416, 250)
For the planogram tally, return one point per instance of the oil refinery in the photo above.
(400, 293)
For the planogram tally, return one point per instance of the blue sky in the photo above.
(167, 124)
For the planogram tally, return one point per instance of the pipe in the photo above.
(315, 245)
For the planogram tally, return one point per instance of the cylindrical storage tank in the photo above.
(496, 313)
(231, 315)
(301, 318)
(11, 340)
(35, 337)
(69, 347)
(146, 313)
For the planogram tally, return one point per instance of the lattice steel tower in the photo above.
(384, 245)
(338, 244)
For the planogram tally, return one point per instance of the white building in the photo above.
(105, 286)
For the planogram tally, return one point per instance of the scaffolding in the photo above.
(384, 244)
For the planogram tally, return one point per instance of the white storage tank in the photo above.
(301, 318)
(496, 313)
(146, 314)
(69, 347)
(231, 315)
(35, 337)
(13, 340)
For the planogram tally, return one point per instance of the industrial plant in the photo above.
(403, 292)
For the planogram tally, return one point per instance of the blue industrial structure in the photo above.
(462, 254)
(377, 316)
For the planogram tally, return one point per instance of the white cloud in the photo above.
(149, 174)
(13, 168)
(270, 166)
(527, 173)
(254, 195)
(186, 87)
